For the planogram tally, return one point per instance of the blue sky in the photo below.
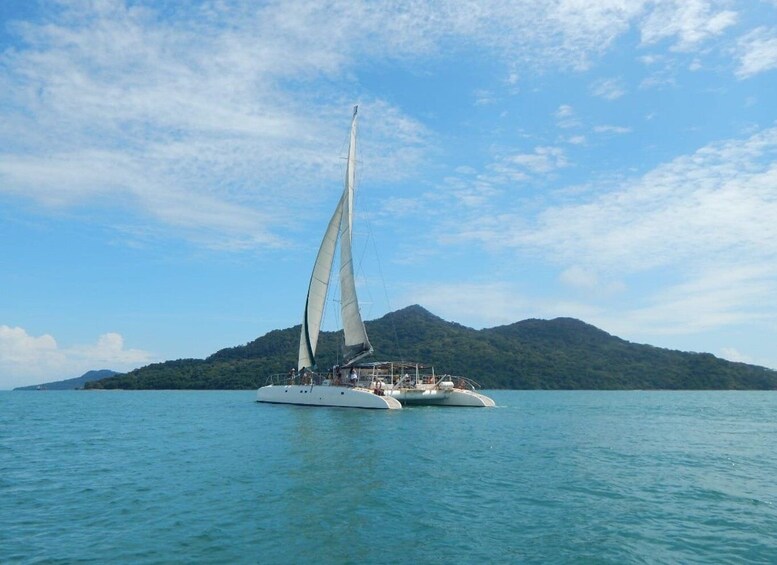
(167, 170)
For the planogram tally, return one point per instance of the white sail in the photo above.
(357, 345)
(317, 291)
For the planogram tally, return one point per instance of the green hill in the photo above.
(72, 384)
(563, 353)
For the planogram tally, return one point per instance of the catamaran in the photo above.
(352, 384)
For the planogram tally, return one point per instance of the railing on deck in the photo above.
(370, 376)
(280, 379)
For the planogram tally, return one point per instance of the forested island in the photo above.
(563, 353)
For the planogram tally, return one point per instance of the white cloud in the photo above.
(715, 204)
(474, 191)
(512, 80)
(488, 304)
(690, 22)
(185, 115)
(19, 348)
(542, 160)
(691, 244)
(183, 121)
(579, 277)
(565, 117)
(612, 129)
(484, 98)
(712, 298)
(576, 140)
(588, 280)
(475, 304)
(661, 77)
(109, 351)
(732, 354)
(609, 89)
(757, 52)
(26, 359)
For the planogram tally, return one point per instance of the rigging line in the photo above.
(359, 265)
(385, 292)
(333, 301)
(360, 268)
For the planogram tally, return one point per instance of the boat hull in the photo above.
(440, 397)
(319, 395)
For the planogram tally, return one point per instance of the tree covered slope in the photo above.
(563, 353)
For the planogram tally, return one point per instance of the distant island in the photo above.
(563, 353)
(72, 384)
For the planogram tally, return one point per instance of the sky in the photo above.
(168, 167)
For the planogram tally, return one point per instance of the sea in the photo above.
(545, 477)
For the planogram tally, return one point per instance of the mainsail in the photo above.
(357, 345)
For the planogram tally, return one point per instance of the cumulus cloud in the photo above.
(28, 359)
(110, 351)
(18, 347)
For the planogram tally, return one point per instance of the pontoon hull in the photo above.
(440, 397)
(318, 395)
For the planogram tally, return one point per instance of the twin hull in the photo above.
(440, 397)
(320, 395)
(358, 397)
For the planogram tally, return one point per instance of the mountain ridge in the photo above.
(562, 353)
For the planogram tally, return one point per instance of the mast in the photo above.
(357, 344)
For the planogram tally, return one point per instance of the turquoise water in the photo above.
(560, 477)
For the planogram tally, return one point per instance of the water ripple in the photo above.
(212, 477)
